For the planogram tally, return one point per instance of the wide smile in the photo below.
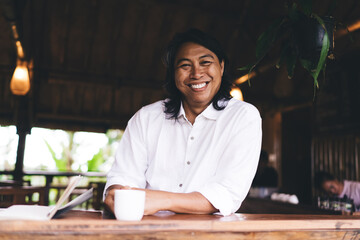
(198, 86)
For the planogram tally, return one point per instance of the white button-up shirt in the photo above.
(217, 156)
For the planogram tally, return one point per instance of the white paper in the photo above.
(26, 212)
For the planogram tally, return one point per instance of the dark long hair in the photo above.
(172, 106)
(321, 177)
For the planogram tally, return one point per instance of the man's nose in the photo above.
(196, 72)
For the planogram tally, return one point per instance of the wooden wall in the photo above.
(337, 154)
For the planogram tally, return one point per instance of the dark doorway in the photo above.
(296, 153)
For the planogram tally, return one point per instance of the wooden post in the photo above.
(23, 126)
(19, 165)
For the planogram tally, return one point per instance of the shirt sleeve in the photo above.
(130, 162)
(352, 190)
(238, 165)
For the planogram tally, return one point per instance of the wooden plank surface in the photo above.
(91, 225)
(182, 235)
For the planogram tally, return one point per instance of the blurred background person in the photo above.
(333, 187)
(266, 175)
(266, 179)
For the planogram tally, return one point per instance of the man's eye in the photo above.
(206, 63)
(185, 65)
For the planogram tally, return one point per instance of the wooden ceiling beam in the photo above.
(80, 118)
(101, 80)
(232, 14)
(80, 122)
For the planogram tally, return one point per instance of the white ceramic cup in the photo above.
(129, 204)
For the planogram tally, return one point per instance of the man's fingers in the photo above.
(110, 195)
(109, 202)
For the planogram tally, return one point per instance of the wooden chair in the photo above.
(21, 195)
(98, 189)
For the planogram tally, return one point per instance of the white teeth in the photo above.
(197, 86)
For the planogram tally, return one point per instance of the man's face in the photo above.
(198, 74)
(332, 187)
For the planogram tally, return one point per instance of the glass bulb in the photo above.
(237, 94)
(20, 81)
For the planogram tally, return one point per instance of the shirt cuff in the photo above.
(119, 181)
(221, 199)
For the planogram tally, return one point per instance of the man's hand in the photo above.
(110, 195)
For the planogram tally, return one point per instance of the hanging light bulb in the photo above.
(20, 81)
(236, 93)
(20, 50)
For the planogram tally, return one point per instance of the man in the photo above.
(333, 187)
(197, 151)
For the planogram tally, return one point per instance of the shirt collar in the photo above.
(210, 112)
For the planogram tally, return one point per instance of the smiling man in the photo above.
(196, 151)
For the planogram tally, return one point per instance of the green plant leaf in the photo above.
(59, 162)
(291, 58)
(315, 68)
(294, 14)
(247, 67)
(94, 163)
(306, 64)
(267, 38)
(324, 50)
(264, 42)
(283, 53)
(306, 6)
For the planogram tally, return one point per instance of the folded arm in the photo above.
(156, 200)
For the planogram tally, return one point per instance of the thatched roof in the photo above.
(96, 62)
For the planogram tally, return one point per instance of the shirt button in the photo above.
(192, 138)
(180, 185)
(188, 162)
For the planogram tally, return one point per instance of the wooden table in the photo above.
(92, 225)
